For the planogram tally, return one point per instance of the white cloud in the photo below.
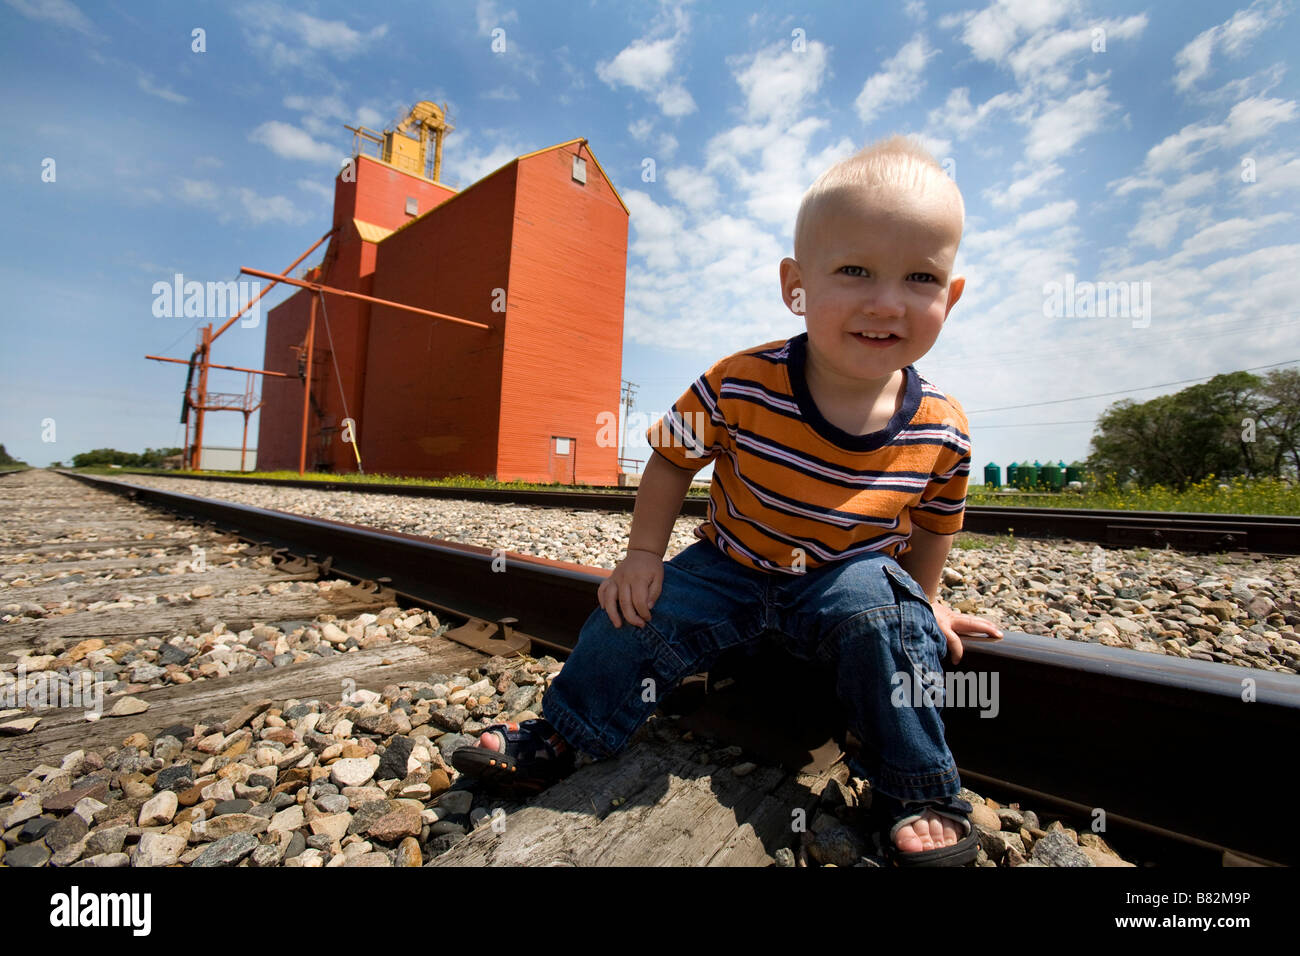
(285, 37)
(198, 191)
(1255, 117)
(650, 66)
(1030, 179)
(901, 80)
(777, 82)
(1229, 234)
(691, 187)
(957, 113)
(320, 190)
(488, 17)
(505, 93)
(1048, 55)
(260, 210)
(468, 162)
(290, 142)
(992, 32)
(146, 83)
(242, 203)
(58, 12)
(1057, 129)
(1047, 217)
(1232, 36)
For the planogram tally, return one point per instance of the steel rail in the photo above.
(1192, 531)
(1183, 746)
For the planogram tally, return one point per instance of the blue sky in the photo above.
(1110, 143)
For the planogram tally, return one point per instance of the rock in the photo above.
(333, 802)
(228, 851)
(333, 825)
(87, 807)
(455, 801)
(984, 816)
(13, 728)
(1101, 858)
(226, 824)
(408, 853)
(104, 860)
(158, 849)
(232, 806)
(1011, 819)
(35, 828)
(438, 782)
(128, 706)
(400, 823)
(21, 811)
(353, 772)
(291, 818)
(177, 777)
(997, 843)
(159, 809)
(27, 854)
(1056, 849)
(106, 840)
(393, 763)
(68, 799)
(244, 715)
(784, 856)
(837, 845)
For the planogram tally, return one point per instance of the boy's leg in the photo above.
(615, 677)
(869, 619)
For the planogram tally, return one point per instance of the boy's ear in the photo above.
(955, 288)
(792, 286)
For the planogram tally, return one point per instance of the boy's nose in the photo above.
(884, 302)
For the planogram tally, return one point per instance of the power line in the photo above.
(1063, 348)
(1124, 391)
(1077, 421)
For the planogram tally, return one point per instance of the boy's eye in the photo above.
(854, 270)
(923, 276)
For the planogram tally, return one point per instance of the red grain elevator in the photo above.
(537, 251)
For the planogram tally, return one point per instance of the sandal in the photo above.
(891, 815)
(531, 758)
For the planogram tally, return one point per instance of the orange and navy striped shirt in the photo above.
(790, 490)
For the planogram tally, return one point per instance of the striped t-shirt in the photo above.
(790, 490)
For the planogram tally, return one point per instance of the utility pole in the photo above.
(625, 406)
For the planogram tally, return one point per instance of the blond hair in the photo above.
(897, 162)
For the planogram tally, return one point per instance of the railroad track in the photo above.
(1184, 531)
(1079, 728)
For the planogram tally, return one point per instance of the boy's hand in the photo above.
(633, 586)
(950, 622)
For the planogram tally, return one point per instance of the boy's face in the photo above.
(878, 259)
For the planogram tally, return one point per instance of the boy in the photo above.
(832, 458)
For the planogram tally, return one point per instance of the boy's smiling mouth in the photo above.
(876, 339)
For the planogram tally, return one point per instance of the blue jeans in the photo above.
(865, 617)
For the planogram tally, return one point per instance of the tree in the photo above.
(1234, 424)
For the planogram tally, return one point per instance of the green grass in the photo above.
(1261, 496)
(8, 468)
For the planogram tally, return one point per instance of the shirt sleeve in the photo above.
(694, 431)
(943, 502)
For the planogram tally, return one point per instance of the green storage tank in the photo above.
(1029, 476)
(1013, 475)
(1073, 473)
(992, 476)
(1051, 477)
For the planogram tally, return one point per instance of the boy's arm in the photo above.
(924, 562)
(658, 502)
